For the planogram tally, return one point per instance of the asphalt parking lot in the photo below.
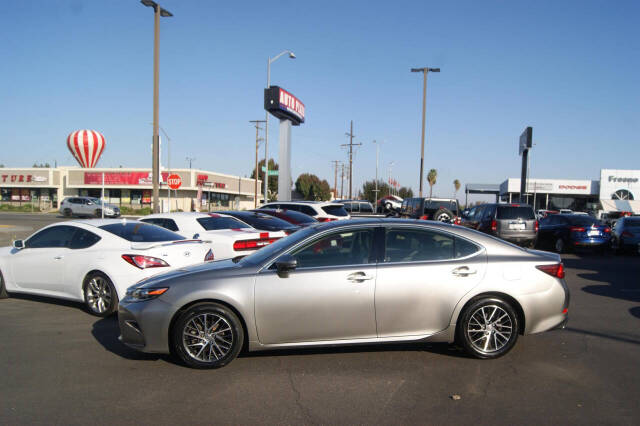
(59, 365)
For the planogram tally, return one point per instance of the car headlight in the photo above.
(146, 293)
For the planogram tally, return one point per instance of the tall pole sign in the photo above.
(283, 105)
(525, 144)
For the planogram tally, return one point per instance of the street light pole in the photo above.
(255, 195)
(266, 124)
(424, 71)
(375, 205)
(155, 151)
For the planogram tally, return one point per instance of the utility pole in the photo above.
(424, 71)
(342, 183)
(255, 195)
(190, 159)
(350, 145)
(335, 177)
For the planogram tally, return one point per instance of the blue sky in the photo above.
(569, 69)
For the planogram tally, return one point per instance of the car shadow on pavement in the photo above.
(106, 332)
(435, 348)
(635, 311)
(49, 300)
(619, 277)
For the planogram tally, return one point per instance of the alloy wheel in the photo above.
(489, 328)
(99, 296)
(207, 337)
(443, 218)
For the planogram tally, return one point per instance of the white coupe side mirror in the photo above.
(18, 244)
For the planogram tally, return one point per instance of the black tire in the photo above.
(560, 246)
(491, 340)
(3, 289)
(443, 215)
(67, 213)
(197, 347)
(100, 296)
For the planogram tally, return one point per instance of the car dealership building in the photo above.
(617, 190)
(199, 189)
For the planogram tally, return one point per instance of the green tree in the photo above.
(273, 180)
(312, 188)
(369, 188)
(432, 176)
(456, 185)
(38, 166)
(405, 192)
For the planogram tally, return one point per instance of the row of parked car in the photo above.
(204, 285)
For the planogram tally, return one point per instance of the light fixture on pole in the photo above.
(266, 124)
(424, 71)
(155, 168)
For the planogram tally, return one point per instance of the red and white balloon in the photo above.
(86, 146)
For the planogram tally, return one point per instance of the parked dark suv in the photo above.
(440, 209)
(512, 222)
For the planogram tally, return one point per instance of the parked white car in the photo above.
(87, 206)
(322, 211)
(94, 261)
(227, 236)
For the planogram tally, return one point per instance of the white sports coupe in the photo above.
(94, 261)
(227, 236)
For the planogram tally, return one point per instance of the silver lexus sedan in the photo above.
(351, 282)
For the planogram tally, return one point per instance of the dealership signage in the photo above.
(619, 184)
(622, 179)
(203, 180)
(552, 186)
(283, 105)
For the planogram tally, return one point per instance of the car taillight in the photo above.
(556, 270)
(627, 234)
(576, 229)
(606, 230)
(457, 220)
(253, 244)
(424, 217)
(494, 225)
(325, 219)
(144, 262)
(536, 226)
(209, 256)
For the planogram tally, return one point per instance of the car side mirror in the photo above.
(286, 264)
(18, 244)
(196, 236)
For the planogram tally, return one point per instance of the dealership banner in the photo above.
(121, 178)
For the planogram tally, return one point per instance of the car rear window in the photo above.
(298, 217)
(515, 212)
(632, 223)
(141, 232)
(580, 220)
(431, 206)
(264, 222)
(335, 211)
(214, 223)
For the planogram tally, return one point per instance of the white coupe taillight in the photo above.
(144, 262)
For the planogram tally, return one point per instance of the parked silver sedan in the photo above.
(351, 282)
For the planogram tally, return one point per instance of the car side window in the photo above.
(83, 239)
(170, 224)
(415, 245)
(308, 210)
(56, 236)
(366, 208)
(464, 248)
(339, 249)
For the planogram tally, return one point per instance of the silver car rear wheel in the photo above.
(488, 327)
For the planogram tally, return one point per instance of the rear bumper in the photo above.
(519, 239)
(590, 242)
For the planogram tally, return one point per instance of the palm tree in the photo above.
(431, 178)
(456, 185)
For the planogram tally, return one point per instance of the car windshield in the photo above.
(335, 210)
(263, 221)
(632, 223)
(95, 200)
(141, 232)
(515, 212)
(213, 223)
(580, 220)
(265, 253)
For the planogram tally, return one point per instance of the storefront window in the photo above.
(136, 196)
(219, 200)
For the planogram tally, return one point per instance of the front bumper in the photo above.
(144, 326)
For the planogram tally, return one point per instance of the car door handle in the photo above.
(57, 257)
(359, 277)
(463, 271)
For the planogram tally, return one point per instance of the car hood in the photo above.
(208, 270)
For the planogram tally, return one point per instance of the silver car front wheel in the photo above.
(207, 335)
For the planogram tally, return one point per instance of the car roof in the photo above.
(100, 222)
(302, 202)
(176, 215)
